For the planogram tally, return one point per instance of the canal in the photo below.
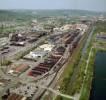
(98, 91)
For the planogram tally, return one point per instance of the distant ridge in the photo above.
(30, 13)
(52, 11)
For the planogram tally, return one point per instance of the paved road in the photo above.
(57, 92)
(88, 41)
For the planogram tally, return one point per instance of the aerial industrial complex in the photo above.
(31, 62)
(52, 55)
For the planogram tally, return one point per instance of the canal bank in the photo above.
(98, 91)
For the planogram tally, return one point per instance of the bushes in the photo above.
(75, 87)
(65, 84)
(5, 62)
(65, 87)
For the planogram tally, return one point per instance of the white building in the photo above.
(34, 55)
(47, 47)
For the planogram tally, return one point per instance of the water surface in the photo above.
(98, 91)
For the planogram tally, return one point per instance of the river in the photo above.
(98, 91)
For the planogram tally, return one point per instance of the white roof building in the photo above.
(47, 47)
(36, 54)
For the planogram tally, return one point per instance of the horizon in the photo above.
(55, 9)
(89, 5)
